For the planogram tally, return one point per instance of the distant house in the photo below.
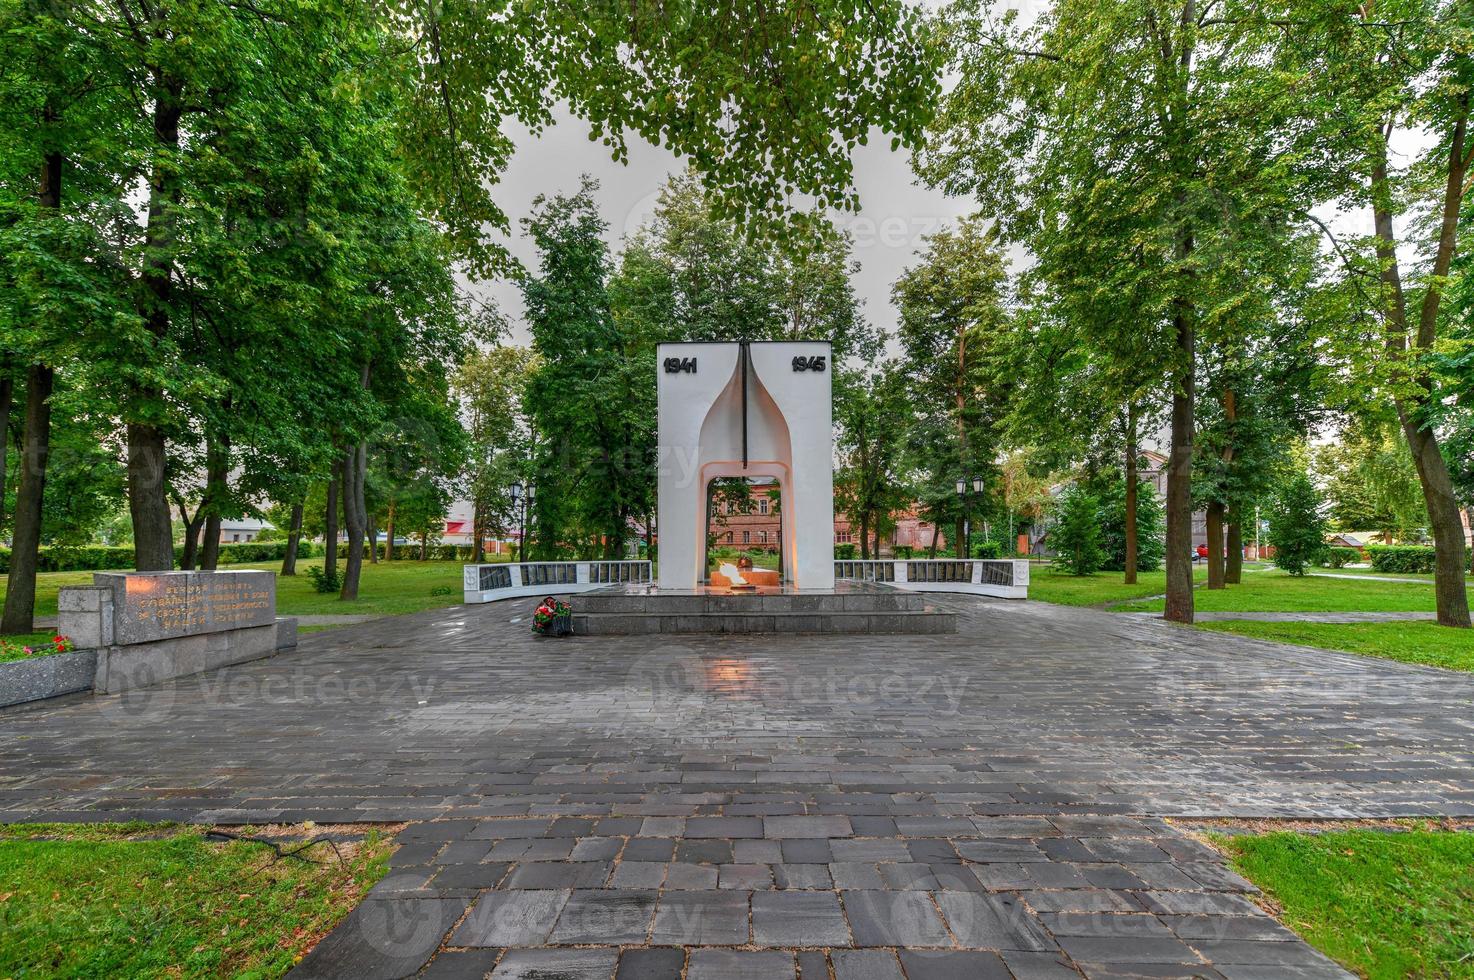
(235, 530)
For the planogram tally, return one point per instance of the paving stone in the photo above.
(651, 963)
(812, 965)
(469, 875)
(512, 918)
(713, 918)
(559, 874)
(851, 874)
(1127, 949)
(1083, 900)
(1198, 903)
(806, 851)
(881, 918)
(869, 851)
(597, 849)
(746, 877)
(1103, 924)
(463, 852)
(605, 917)
(807, 827)
(992, 922)
(1225, 952)
(1000, 851)
(798, 919)
(926, 965)
(499, 829)
(865, 964)
(724, 828)
(1038, 966)
(756, 852)
(461, 964)
(638, 874)
(562, 964)
(704, 852)
(908, 877)
(648, 849)
(932, 851)
(726, 964)
(802, 876)
(383, 938)
(690, 877)
(1261, 928)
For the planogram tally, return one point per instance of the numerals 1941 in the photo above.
(680, 365)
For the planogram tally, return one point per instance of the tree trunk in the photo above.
(1215, 544)
(353, 516)
(1233, 573)
(20, 594)
(7, 391)
(936, 531)
(389, 533)
(191, 552)
(478, 549)
(1131, 492)
(1450, 594)
(217, 489)
(294, 541)
(1179, 605)
(153, 535)
(864, 536)
(424, 546)
(330, 530)
(373, 543)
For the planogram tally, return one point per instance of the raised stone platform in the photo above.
(850, 607)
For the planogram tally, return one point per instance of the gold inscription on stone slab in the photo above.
(153, 606)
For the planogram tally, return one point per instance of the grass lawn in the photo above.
(1047, 585)
(1278, 592)
(1385, 904)
(132, 900)
(386, 589)
(1412, 642)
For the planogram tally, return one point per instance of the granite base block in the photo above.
(46, 677)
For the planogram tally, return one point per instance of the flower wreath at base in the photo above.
(553, 617)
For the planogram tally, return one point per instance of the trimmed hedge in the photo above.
(1402, 558)
(101, 558)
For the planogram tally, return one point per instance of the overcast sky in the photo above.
(895, 211)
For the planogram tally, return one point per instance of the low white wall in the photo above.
(507, 580)
(1004, 578)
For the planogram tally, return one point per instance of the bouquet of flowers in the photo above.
(553, 618)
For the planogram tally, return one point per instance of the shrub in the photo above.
(1402, 558)
(1297, 530)
(844, 552)
(1341, 557)
(257, 551)
(1076, 536)
(905, 551)
(322, 582)
(988, 549)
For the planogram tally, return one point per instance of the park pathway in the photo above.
(985, 804)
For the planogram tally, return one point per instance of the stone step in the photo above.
(926, 621)
(688, 604)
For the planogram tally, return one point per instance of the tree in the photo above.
(1382, 71)
(953, 322)
(1139, 150)
(1371, 483)
(491, 387)
(871, 483)
(1297, 527)
(1076, 534)
(1150, 526)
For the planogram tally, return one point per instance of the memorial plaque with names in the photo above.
(162, 605)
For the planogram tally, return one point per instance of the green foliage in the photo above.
(1151, 525)
(322, 582)
(1297, 528)
(1370, 481)
(1401, 558)
(844, 552)
(1076, 534)
(988, 549)
(1339, 557)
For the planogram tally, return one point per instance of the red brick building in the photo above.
(761, 526)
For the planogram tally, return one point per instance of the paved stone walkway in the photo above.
(1302, 617)
(985, 804)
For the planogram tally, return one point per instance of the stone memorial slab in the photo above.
(149, 606)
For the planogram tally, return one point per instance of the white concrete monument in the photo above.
(748, 409)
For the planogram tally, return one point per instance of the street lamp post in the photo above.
(962, 495)
(522, 499)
